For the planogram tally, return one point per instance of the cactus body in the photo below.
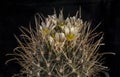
(59, 47)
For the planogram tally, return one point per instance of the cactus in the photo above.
(59, 47)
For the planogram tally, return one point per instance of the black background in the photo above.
(16, 13)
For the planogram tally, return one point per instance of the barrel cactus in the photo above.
(59, 47)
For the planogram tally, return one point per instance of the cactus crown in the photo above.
(59, 47)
